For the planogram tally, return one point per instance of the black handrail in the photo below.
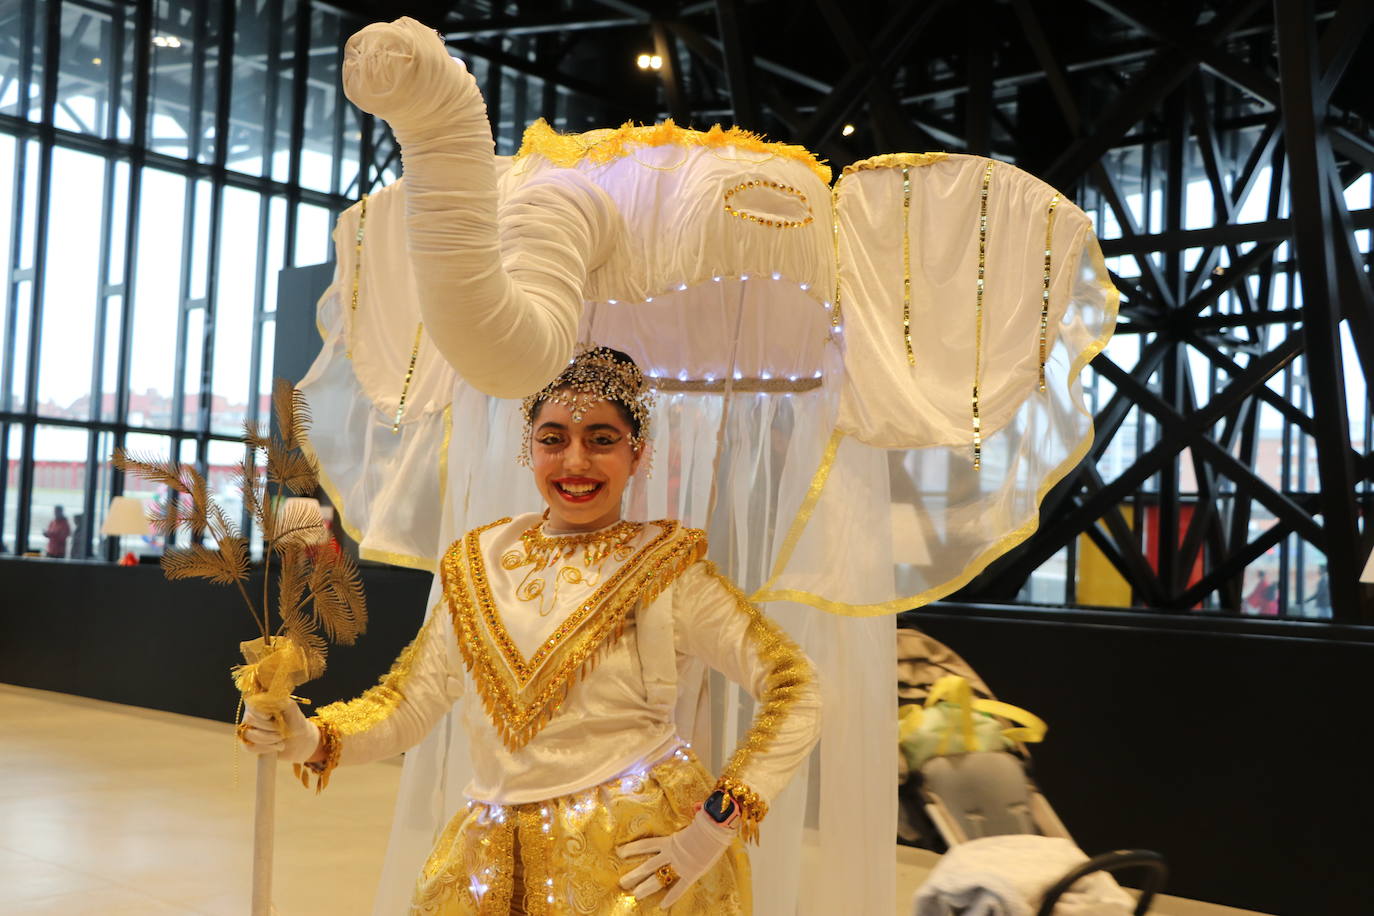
(1153, 863)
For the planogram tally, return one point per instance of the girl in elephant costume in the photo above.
(862, 394)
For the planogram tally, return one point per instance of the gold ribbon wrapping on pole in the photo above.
(272, 671)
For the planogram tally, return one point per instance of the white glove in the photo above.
(287, 732)
(690, 852)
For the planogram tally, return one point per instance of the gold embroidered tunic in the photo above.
(573, 682)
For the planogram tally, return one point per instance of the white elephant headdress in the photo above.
(864, 390)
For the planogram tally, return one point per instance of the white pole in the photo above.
(264, 815)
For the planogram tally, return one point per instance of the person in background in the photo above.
(57, 532)
(1321, 599)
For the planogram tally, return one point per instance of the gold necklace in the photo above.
(542, 551)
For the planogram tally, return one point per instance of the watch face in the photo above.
(719, 806)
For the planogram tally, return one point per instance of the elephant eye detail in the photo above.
(769, 203)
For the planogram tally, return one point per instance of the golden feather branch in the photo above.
(319, 594)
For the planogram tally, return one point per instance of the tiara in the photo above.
(595, 374)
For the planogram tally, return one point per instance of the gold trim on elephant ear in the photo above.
(608, 144)
(767, 193)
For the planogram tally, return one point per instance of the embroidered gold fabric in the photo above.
(377, 703)
(790, 674)
(602, 146)
(541, 552)
(520, 695)
(566, 846)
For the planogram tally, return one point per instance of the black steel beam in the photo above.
(671, 75)
(1061, 526)
(1340, 41)
(898, 36)
(1310, 163)
(457, 28)
(734, 36)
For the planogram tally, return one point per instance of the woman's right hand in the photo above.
(286, 732)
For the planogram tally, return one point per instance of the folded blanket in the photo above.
(1008, 876)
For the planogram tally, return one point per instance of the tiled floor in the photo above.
(113, 810)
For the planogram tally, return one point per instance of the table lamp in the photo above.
(126, 516)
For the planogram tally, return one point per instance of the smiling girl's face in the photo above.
(582, 468)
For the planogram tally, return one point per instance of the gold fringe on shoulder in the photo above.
(521, 696)
(377, 703)
(607, 145)
(790, 674)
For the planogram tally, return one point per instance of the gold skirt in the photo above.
(558, 858)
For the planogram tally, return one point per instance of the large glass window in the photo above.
(140, 239)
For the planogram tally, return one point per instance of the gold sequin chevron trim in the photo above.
(790, 674)
(521, 696)
(606, 145)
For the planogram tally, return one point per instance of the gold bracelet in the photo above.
(333, 747)
(752, 807)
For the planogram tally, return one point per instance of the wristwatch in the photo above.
(721, 808)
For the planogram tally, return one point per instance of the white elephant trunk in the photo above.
(501, 296)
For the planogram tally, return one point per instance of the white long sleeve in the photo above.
(716, 623)
(396, 714)
(508, 328)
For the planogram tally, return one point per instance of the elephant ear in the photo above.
(379, 391)
(955, 273)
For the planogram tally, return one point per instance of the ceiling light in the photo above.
(166, 41)
(644, 61)
(655, 62)
(847, 130)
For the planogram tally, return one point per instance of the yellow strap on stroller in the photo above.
(956, 690)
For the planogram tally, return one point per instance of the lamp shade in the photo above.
(126, 516)
(1368, 574)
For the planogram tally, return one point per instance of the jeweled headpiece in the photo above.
(595, 374)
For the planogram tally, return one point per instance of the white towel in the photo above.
(1008, 876)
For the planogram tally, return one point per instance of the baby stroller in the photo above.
(966, 791)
